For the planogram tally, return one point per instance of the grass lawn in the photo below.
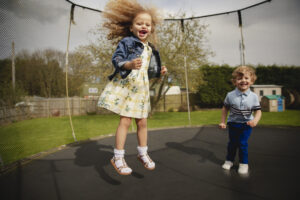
(25, 138)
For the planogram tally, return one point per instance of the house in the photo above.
(264, 90)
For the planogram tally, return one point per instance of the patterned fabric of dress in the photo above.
(129, 97)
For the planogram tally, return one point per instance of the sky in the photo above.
(271, 31)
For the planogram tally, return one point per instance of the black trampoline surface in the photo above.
(188, 166)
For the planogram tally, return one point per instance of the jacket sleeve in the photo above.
(119, 58)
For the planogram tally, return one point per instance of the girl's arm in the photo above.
(257, 116)
(222, 125)
(119, 56)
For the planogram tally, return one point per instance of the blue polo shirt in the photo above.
(241, 105)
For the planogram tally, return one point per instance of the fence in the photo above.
(79, 106)
(48, 108)
(176, 102)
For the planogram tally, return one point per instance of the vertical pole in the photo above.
(242, 48)
(186, 76)
(67, 66)
(13, 71)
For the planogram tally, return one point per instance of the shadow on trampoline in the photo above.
(89, 154)
(203, 153)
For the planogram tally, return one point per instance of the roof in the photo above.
(273, 97)
(266, 86)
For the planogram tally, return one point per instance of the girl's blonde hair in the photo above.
(120, 15)
(241, 71)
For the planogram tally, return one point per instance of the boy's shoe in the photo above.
(147, 161)
(120, 166)
(243, 168)
(227, 165)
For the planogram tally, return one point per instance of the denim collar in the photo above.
(239, 93)
(134, 38)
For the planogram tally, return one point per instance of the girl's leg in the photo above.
(118, 160)
(142, 131)
(122, 132)
(142, 136)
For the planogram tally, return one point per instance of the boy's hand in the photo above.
(134, 64)
(164, 70)
(222, 126)
(252, 123)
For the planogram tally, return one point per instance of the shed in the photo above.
(273, 103)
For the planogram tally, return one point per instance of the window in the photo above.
(261, 93)
(274, 92)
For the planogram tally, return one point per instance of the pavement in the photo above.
(188, 166)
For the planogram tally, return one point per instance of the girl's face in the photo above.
(243, 82)
(141, 26)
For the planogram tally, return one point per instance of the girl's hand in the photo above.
(222, 126)
(134, 64)
(164, 70)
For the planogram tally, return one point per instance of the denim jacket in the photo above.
(130, 48)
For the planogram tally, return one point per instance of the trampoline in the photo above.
(188, 166)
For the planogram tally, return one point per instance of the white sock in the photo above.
(119, 162)
(119, 153)
(142, 150)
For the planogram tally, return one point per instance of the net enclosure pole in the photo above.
(66, 69)
(185, 72)
(242, 49)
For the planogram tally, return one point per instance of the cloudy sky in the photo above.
(271, 31)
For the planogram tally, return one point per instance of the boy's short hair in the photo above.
(240, 71)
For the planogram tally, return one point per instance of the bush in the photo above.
(217, 83)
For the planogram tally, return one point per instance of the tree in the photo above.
(95, 61)
(8, 95)
(41, 73)
(174, 44)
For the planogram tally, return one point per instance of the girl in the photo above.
(135, 61)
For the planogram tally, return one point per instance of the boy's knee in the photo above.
(244, 145)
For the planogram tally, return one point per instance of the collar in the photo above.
(134, 38)
(239, 93)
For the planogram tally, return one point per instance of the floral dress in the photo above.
(129, 97)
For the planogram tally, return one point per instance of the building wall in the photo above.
(266, 91)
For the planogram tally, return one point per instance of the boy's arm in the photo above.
(257, 116)
(225, 110)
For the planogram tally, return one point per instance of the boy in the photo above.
(240, 102)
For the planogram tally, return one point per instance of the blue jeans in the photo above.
(239, 134)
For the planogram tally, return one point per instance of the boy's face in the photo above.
(243, 82)
(141, 26)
